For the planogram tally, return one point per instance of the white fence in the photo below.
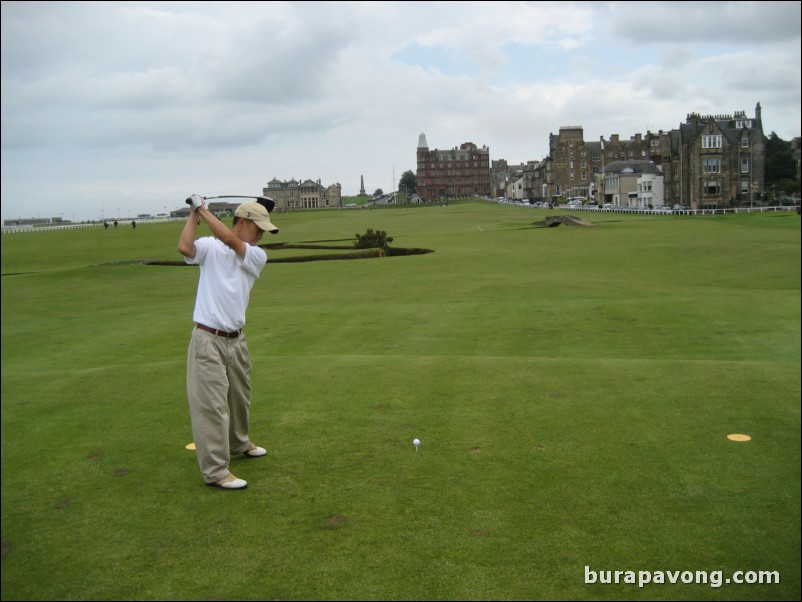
(126, 223)
(683, 211)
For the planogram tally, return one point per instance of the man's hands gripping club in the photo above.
(196, 201)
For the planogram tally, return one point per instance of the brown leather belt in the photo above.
(220, 333)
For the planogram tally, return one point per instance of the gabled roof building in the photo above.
(309, 194)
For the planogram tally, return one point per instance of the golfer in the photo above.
(218, 362)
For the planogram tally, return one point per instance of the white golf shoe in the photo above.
(255, 452)
(229, 482)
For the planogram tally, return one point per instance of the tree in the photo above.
(775, 144)
(780, 164)
(786, 186)
(378, 192)
(408, 182)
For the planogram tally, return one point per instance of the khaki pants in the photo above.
(219, 394)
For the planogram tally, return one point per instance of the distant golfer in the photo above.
(218, 362)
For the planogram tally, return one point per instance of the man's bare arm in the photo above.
(186, 243)
(222, 232)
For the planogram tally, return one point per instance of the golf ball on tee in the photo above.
(416, 442)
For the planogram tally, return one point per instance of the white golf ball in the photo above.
(416, 442)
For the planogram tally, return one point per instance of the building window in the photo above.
(711, 141)
(711, 165)
(747, 123)
(711, 187)
(745, 142)
(744, 186)
(744, 164)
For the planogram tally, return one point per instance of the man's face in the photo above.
(259, 233)
(251, 233)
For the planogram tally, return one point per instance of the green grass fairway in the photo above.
(572, 388)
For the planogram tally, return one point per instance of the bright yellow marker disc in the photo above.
(738, 437)
(191, 445)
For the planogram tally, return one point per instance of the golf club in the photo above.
(267, 202)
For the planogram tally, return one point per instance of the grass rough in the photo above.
(572, 388)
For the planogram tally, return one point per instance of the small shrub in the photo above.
(373, 240)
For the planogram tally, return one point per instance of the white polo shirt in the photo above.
(225, 283)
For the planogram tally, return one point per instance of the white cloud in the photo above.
(146, 102)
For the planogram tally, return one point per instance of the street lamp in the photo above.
(602, 195)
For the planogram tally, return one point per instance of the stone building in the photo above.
(714, 161)
(310, 194)
(499, 176)
(633, 184)
(575, 166)
(463, 171)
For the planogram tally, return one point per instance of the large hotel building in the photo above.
(463, 171)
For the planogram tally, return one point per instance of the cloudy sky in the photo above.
(119, 108)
